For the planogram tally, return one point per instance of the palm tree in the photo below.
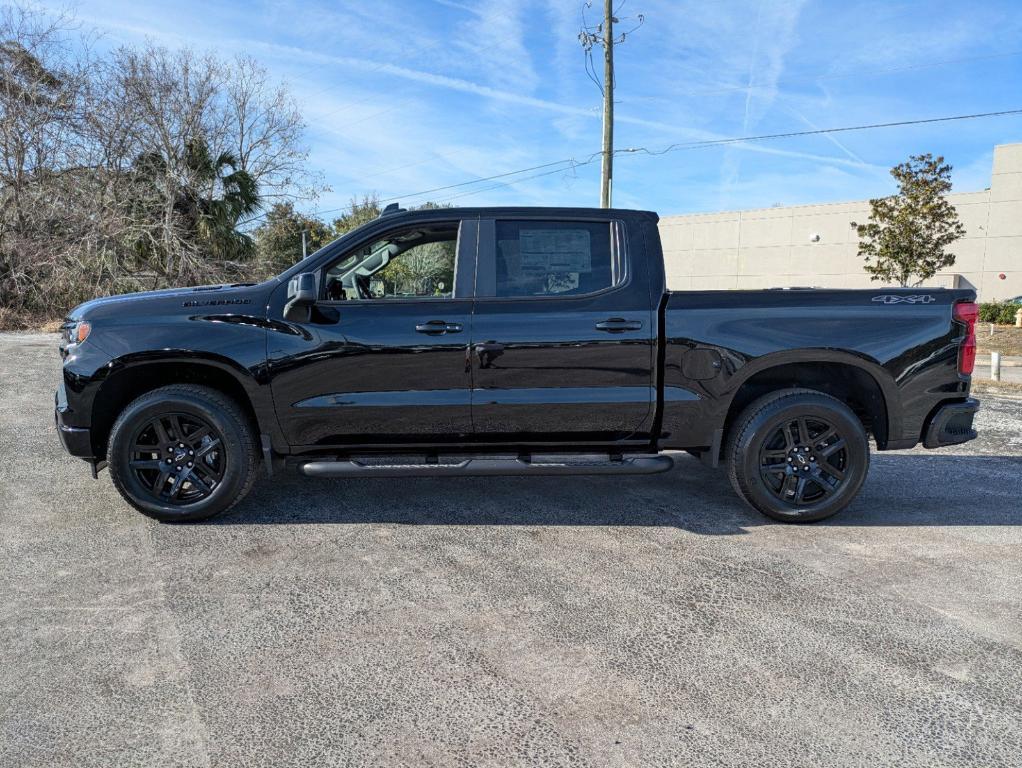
(220, 195)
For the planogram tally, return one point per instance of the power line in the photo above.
(571, 168)
(466, 183)
(434, 189)
(818, 131)
(573, 164)
(739, 139)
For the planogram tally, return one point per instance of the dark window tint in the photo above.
(549, 258)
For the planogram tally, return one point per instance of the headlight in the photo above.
(77, 331)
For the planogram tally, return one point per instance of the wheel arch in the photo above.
(131, 378)
(861, 383)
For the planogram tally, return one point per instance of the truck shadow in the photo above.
(903, 489)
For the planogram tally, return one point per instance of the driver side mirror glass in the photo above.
(302, 292)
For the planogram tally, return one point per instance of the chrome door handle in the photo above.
(438, 327)
(619, 325)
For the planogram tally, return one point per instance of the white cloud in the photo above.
(493, 40)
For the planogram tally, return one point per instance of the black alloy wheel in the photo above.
(183, 452)
(178, 457)
(797, 455)
(804, 460)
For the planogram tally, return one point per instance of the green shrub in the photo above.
(1000, 312)
(988, 312)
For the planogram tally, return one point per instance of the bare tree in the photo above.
(41, 84)
(132, 170)
(265, 130)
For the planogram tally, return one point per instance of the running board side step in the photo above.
(490, 467)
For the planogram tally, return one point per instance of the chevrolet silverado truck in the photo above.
(507, 341)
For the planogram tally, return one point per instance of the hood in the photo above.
(202, 295)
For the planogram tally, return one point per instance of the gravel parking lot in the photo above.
(591, 621)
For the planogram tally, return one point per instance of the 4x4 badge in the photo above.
(893, 298)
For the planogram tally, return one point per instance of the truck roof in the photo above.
(393, 210)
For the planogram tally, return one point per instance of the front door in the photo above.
(382, 359)
(563, 333)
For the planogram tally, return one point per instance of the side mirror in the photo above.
(301, 295)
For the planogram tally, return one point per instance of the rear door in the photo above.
(563, 333)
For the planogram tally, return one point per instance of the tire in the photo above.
(185, 431)
(797, 455)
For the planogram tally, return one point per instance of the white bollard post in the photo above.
(991, 329)
(995, 366)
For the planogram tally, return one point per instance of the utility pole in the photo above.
(607, 166)
(603, 34)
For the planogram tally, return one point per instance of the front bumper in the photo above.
(76, 440)
(951, 424)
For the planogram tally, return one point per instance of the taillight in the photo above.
(967, 312)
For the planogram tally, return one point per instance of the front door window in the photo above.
(412, 263)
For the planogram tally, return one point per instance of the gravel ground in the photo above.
(590, 621)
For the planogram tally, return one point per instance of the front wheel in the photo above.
(798, 455)
(182, 453)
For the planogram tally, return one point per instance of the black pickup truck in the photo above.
(507, 341)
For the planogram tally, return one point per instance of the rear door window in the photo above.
(552, 258)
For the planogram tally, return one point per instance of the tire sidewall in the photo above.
(763, 425)
(119, 455)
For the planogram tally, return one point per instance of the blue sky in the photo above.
(407, 95)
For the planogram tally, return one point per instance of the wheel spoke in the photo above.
(175, 487)
(803, 431)
(198, 482)
(208, 471)
(774, 468)
(817, 441)
(161, 431)
(175, 425)
(789, 486)
(833, 448)
(195, 438)
(160, 481)
(830, 469)
(800, 489)
(823, 485)
(201, 452)
(145, 464)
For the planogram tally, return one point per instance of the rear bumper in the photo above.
(951, 424)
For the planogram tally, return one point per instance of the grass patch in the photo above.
(989, 387)
(20, 321)
(1007, 339)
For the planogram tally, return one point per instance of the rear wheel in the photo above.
(798, 455)
(182, 453)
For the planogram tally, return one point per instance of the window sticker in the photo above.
(561, 282)
(555, 250)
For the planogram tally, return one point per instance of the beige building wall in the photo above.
(816, 245)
